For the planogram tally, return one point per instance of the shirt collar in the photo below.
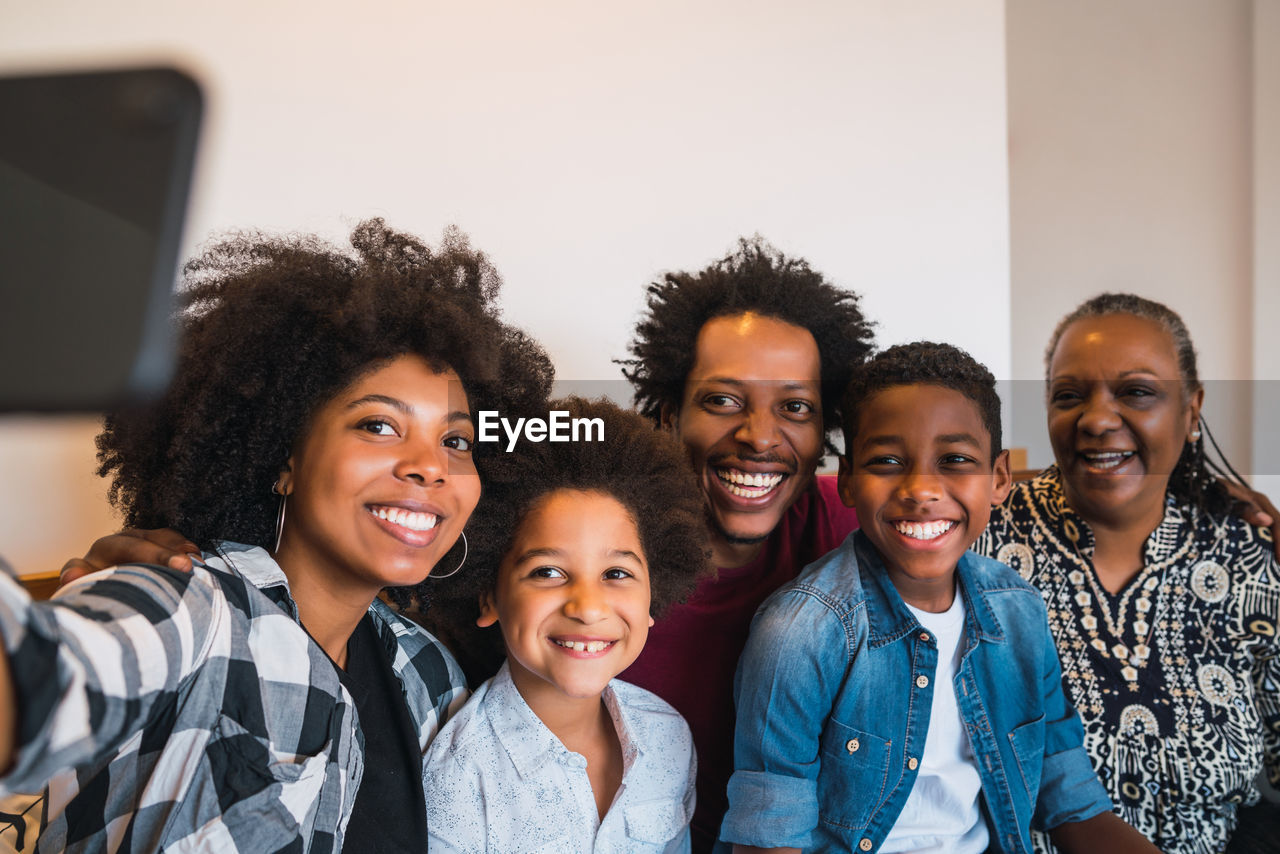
(256, 566)
(1163, 541)
(888, 617)
(529, 742)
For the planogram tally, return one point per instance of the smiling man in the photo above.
(746, 362)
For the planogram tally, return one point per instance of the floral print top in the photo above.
(1177, 676)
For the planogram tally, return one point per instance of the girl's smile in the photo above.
(572, 597)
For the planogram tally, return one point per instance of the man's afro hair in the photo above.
(754, 278)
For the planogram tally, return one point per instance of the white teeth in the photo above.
(747, 485)
(923, 530)
(1107, 460)
(582, 646)
(410, 519)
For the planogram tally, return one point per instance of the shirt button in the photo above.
(865, 844)
(912, 763)
(852, 745)
(922, 681)
(924, 636)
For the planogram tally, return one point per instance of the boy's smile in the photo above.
(920, 475)
(572, 598)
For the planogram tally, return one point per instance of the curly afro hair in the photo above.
(925, 363)
(642, 468)
(271, 329)
(756, 278)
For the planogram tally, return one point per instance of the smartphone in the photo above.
(95, 171)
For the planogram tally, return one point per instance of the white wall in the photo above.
(585, 146)
(1266, 245)
(1131, 169)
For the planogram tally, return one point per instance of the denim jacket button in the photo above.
(865, 844)
(852, 745)
(912, 763)
(922, 681)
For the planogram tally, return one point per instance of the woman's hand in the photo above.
(1256, 509)
(162, 546)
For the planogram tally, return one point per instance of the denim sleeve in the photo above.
(788, 677)
(1069, 789)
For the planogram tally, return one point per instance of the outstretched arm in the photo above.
(159, 546)
(87, 669)
(1105, 833)
(8, 713)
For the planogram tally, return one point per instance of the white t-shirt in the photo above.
(497, 780)
(942, 811)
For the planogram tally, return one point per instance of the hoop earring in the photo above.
(275, 487)
(465, 550)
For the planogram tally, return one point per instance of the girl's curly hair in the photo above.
(644, 469)
(272, 328)
(755, 278)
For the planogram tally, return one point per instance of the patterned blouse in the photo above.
(1177, 677)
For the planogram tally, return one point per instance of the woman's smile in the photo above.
(382, 482)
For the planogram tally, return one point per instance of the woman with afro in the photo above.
(317, 446)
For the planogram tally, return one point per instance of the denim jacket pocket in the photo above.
(1027, 741)
(853, 776)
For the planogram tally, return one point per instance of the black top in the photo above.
(390, 813)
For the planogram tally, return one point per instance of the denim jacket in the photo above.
(834, 692)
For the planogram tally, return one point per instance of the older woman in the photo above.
(1163, 604)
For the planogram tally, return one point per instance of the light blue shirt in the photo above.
(498, 780)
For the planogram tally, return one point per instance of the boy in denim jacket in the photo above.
(904, 694)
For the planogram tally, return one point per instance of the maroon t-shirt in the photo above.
(692, 651)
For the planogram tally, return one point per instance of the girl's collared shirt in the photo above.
(498, 780)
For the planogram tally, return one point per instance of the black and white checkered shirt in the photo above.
(194, 712)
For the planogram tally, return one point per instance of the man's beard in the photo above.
(733, 539)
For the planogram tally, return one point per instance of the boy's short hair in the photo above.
(754, 278)
(924, 363)
(643, 468)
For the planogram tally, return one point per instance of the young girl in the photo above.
(320, 419)
(582, 543)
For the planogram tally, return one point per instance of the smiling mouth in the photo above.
(584, 646)
(923, 530)
(1105, 460)
(748, 484)
(410, 519)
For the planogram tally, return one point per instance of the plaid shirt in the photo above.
(194, 711)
